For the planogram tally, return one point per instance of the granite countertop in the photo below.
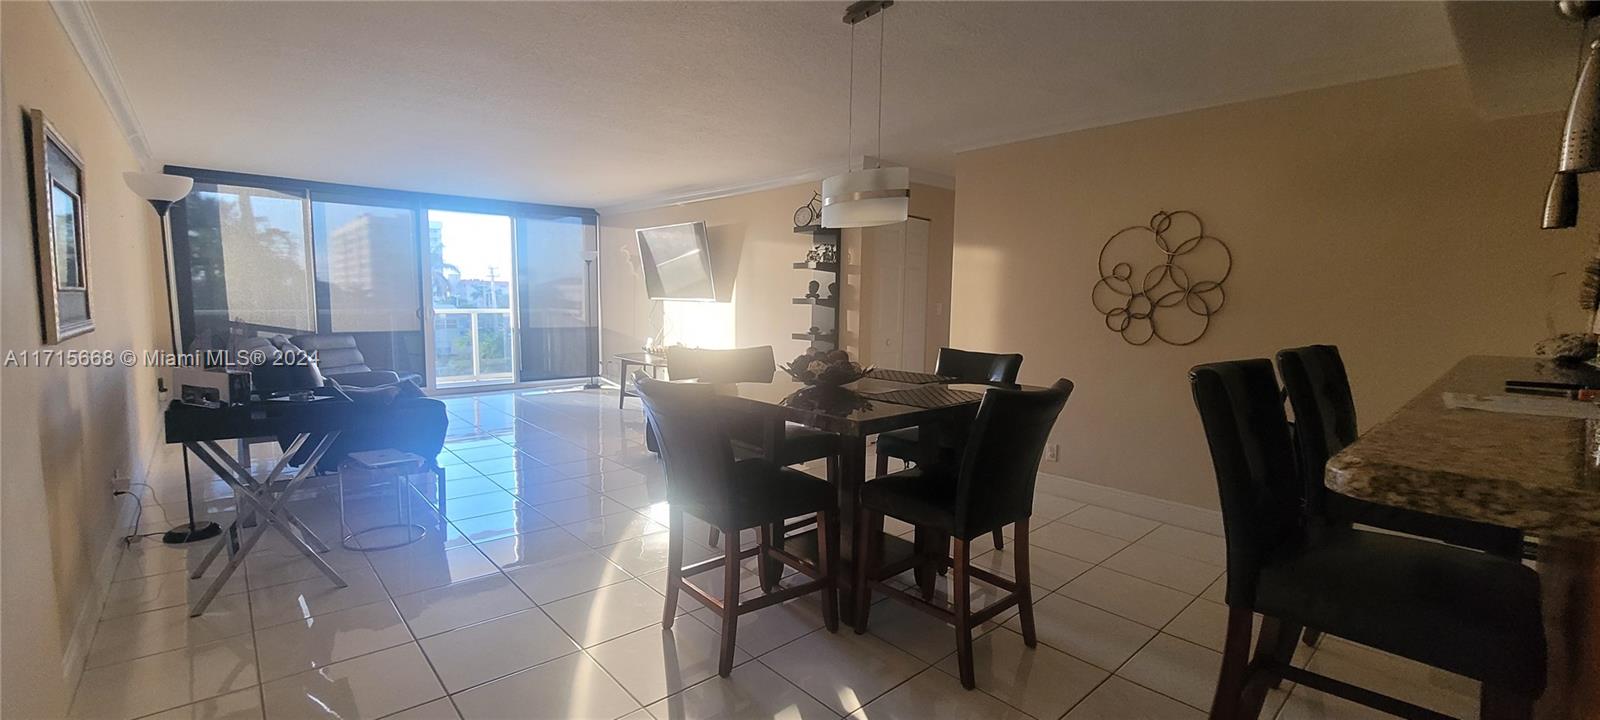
(1535, 473)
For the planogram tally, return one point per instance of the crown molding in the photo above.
(684, 197)
(77, 19)
(1305, 82)
(929, 177)
(816, 174)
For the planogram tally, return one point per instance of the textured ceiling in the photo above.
(599, 104)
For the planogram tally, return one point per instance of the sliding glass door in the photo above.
(368, 270)
(556, 308)
(465, 292)
(472, 298)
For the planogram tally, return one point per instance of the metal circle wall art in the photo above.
(1174, 299)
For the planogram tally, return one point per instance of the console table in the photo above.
(317, 421)
(652, 363)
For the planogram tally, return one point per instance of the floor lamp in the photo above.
(162, 191)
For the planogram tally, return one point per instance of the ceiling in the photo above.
(612, 104)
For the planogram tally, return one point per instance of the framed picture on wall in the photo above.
(60, 241)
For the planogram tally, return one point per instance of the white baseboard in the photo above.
(1154, 508)
(93, 603)
(124, 519)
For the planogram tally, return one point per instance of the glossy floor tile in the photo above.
(166, 680)
(311, 643)
(476, 654)
(753, 692)
(1041, 681)
(538, 590)
(843, 670)
(930, 695)
(654, 662)
(574, 686)
(437, 610)
(374, 685)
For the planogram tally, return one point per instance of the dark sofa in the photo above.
(395, 413)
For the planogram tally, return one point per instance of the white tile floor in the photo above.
(537, 594)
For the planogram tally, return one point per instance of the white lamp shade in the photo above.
(158, 186)
(864, 198)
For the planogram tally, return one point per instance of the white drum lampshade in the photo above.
(865, 198)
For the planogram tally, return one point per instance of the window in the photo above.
(247, 263)
(259, 255)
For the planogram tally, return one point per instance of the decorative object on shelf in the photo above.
(1580, 140)
(811, 289)
(830, 368)
(833, 290)
(828, 253)
(815, 330)
(814, 254)
(1567, 348)
(809, 213)
(1171, 302)
(866, 197)
(60, 241)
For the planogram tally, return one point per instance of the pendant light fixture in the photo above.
(866, 197)
(1580, 142)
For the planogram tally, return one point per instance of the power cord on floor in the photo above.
(138, 512)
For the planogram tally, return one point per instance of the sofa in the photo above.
(395, 412)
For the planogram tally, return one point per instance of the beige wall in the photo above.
(1384, 217)
(65, 432)
(753, 243)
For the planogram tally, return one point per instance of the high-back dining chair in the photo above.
(992, 486)
(966, 366)
(1467, 612)
(752, 364)
(704, 480)
(1318, 387)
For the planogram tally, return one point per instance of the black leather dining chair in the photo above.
(704, 480)
(991, 486)
(1318, 388)
(1470, 613)
(966, 366)
(752, 364)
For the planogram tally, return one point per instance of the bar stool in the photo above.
(390, 464)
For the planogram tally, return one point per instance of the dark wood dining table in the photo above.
(850, 412)
(1539, 474)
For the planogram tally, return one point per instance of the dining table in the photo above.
(1464, 448)
(855, 411)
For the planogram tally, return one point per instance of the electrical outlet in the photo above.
(118, 482)
(1053, 453)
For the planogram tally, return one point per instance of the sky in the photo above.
(475, 243)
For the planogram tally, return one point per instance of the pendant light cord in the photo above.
(883, 22)
(850, 104)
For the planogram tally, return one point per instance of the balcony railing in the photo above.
(472, 345)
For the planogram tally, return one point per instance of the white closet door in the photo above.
(897, 258)
(914, 297)
(884, 247)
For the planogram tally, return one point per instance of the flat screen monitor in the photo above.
(677, 262)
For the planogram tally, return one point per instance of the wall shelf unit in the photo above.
(825, 314)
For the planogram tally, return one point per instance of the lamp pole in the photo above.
(192, 530)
